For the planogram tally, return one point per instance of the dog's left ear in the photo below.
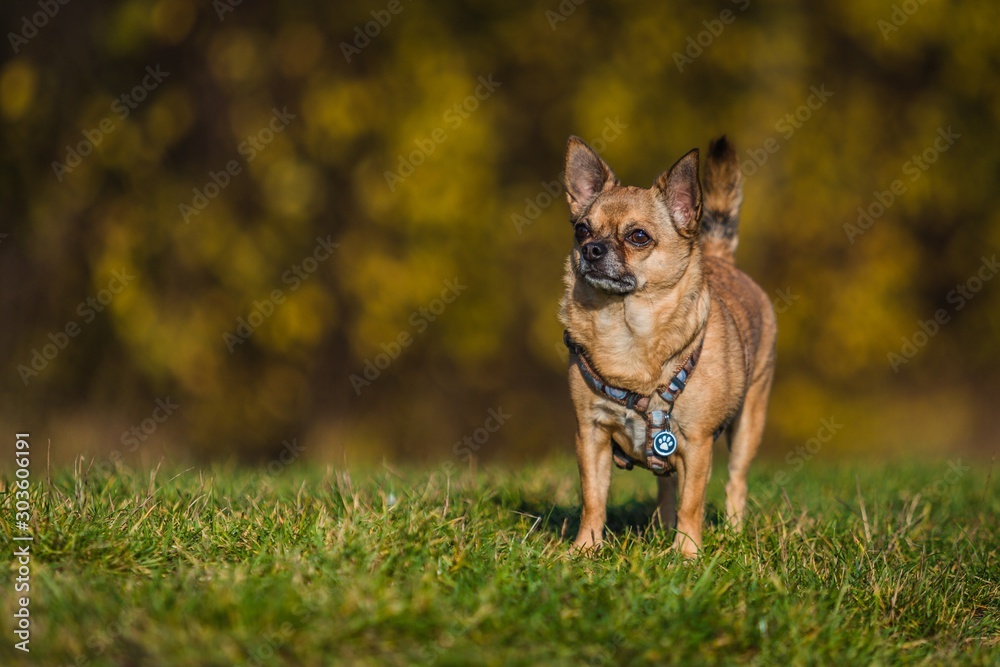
(587, 176)
(681, 191)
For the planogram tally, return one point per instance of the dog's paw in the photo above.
(586, 543)
(686, 546)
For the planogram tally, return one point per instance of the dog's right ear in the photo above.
(587, 176)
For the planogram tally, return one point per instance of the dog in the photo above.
(670, 344)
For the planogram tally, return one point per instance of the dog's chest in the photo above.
(627, 427)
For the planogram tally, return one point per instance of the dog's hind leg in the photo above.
(666, 501)
(744, 439)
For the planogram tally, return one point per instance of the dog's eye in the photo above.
(639, 237)
(582, 231)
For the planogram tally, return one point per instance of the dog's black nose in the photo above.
(594, 251)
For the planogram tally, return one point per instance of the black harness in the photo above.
(660, 439)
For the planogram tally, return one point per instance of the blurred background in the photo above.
(257, 231)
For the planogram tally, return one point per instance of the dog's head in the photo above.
(627, 238)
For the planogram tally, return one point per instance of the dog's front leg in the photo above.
(593, 456)
(692, 478)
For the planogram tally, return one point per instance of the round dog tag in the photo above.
(664, 443)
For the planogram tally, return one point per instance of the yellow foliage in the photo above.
(430, 147)
(18, 85)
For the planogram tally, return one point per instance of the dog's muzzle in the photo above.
(602, 268)
(621, 285)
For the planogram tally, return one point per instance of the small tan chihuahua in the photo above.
(670, 344)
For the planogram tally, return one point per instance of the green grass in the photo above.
(228, 567)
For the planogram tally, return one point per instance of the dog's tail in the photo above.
(723, 196)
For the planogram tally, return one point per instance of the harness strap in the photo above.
(631, 400)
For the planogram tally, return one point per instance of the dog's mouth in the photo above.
(620, 285)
